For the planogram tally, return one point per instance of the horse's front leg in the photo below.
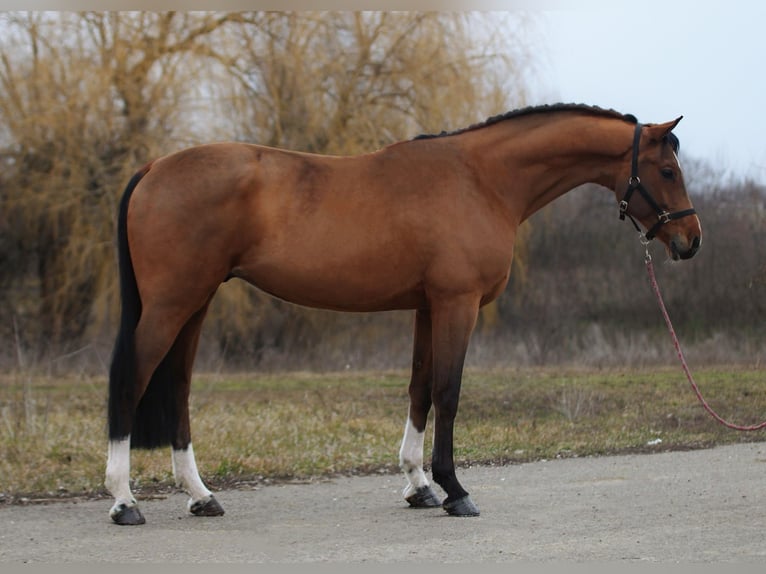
(452, 321)
(418, 492)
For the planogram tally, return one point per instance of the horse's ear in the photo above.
(659, 131)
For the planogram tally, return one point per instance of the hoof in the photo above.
(206, 507)
(423, 497)
(127, 515)
(461, 507)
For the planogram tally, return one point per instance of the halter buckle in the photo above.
(623, 208)
(664, 217)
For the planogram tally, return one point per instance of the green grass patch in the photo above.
(255, 428)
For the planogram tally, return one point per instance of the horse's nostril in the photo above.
(684, 249)
(694, 246)
(696, 243)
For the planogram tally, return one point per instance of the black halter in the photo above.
(634, 183)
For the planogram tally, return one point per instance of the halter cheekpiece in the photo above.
(634, 184)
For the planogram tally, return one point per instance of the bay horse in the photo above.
(426, 224)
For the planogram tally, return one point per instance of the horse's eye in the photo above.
(668, 173)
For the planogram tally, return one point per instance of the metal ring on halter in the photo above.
(645, 242)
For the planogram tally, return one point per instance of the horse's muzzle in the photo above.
(681, 248)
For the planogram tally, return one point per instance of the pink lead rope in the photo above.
(656, 288)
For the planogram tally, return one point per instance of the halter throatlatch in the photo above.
(634, 184)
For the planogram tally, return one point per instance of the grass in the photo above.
(253, 428)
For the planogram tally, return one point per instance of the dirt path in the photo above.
(700, 506)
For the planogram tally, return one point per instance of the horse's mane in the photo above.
(547, 108)
(671, 138)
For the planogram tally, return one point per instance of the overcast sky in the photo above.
(705, 61)
(657, 59)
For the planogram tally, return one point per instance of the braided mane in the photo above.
(594, 110)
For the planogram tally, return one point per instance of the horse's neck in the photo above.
(535, 160)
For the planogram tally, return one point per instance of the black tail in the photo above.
(153, 422)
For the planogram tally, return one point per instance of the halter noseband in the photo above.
(634, 183)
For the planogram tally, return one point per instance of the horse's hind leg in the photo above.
(201, 500)
(151, 413)
(180, 361)
(154, 336)
(418, 492)
(125, 508)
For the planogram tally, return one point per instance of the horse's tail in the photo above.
(144, 423)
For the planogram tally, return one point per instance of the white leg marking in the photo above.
(187, 476)
(117, 479)
(411, 458)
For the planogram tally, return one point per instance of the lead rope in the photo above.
(695, 388)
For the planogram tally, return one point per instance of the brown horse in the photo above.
(427, 224)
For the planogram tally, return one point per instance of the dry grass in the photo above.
(254, 428)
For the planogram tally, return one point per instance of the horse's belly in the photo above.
(343, 288)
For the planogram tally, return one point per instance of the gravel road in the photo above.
(701, 506)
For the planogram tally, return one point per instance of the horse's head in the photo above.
(651, 190)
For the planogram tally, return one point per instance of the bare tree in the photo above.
(84, 100)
